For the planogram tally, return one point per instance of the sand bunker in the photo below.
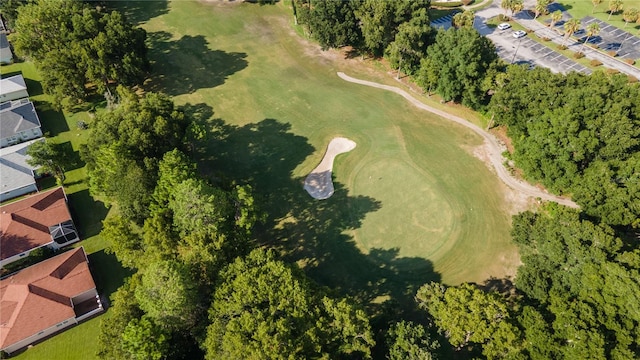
(318, 183)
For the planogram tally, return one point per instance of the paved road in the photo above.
(523, 54)
(495, 150)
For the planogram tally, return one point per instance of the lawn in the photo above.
(412, 204)
(582, 8)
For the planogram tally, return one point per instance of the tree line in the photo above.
(576, 293)
(80, 50)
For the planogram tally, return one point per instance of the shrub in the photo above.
(630, 61)
(562, 47)
(578, 55)
(612, 53)
(446, 4)
(632, 79)
(595, 63)
(612, 71)
(467, 2)
(503, 18)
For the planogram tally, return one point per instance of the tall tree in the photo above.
(630, 15)
(333, 23)
(410, 43)
(555, 17)
(593, 29)
(614, 7)
(463, 19)
(49, 158)
(77, 48)
(265, 309)
(570, 27)
(409, 341)
(460, 58)
(541, 8)
(595, 5)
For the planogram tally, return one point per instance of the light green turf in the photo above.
(411, 203)
(582, 8)
(410, 189)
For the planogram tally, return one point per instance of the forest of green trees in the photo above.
(203, 288)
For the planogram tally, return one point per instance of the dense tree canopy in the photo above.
(409, 341)
(581, 136)
(78, 48)
(264, 309)
(333, 23)
(459, 60)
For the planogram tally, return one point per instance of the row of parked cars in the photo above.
(516, 34)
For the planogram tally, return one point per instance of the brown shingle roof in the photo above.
(39, 296)
(25, 223)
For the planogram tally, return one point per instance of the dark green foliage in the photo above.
(49, 158)
(410, 43)
(458, 60)
(409, 341)
(380, 20)
(79, 49)
(125, 147)
(265, 309)
(9, 11)
(581, 136)
(333, 23)
(587, 298)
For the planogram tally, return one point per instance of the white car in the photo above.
(518, 34)
(504, 26)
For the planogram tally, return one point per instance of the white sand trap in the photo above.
(318, 183)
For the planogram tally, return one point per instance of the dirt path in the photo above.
(494, 149)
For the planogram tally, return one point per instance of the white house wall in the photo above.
(40, 335)
(18, 192)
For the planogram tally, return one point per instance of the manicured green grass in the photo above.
(582, 8)
(412, 204)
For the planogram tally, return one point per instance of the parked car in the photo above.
(504, 26)
(518, 34)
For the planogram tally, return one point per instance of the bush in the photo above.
(503, 18)
(446, 4)
(630, 61)
(562, 47)
(595, 63)
(632, 79)
(546, 39)
(612, 71)
(612, 53)
(578, 55)
(467, 2)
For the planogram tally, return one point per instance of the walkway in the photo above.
(494, 149)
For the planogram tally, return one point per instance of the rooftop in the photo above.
(15, 173)
(39, 296)
(24, 224)
(15, 119)
(12, 84)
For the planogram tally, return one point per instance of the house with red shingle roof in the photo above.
(34, 222)
(45, 298)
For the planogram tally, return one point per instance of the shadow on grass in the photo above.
(185, 65)
(108, 273)
(53, 121)
(72, 158)
(87, 213)
(313, 233)
(138, 12)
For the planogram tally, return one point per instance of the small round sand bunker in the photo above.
(319, 183)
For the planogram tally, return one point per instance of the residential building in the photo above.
(17, 177)
(13, 88)
(45, 298)
(34, 222)
(6, 55)
(18, 122)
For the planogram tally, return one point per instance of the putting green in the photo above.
(411, 189)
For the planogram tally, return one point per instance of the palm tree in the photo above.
(506, 5)
(555, 17)
(614, 6)
(595, 4)
(463, 19)
(592, 30)
(517, 6)
(630, 15)
(570, 27)
(541, 7)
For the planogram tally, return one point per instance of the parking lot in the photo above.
(528, 51)
(611, 38)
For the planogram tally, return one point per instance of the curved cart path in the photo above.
(494, 149)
